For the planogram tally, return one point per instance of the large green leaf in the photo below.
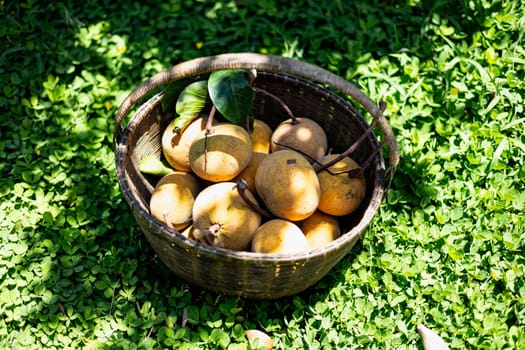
(172, 92)
(231, 94)
(191, 101)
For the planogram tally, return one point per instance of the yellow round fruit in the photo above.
(340, 193)
(222, 218)
(320, 229)
(222, 154)
(259, 339)
(279, 236)
(261, 135)
(303, 135)
(288, 185)
(248, 174)
(176, 146)
(173, 198)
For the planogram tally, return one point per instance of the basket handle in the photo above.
(271, 63)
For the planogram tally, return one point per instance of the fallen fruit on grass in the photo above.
(223, 219)
(288, 185)
(261, 136)
(222, 153)
(248, 174)
(259, 338)
(320, 229)
(279, 236)
(431, 340)
(176, 143)
(342, 191)
(301, 134)
(173, 198)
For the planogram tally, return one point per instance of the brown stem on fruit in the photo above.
(349, 150)
(210, 234)
(296, 150)
(167, 220)
(247, 126)
(316, 163)
(250, 77)
(214, 229)
(358, 171)
(367, 162)
(242, 188)
(209, 122)
(209, 130)
(281, 102)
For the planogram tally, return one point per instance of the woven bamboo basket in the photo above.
(309, 91)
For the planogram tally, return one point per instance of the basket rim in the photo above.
(178, 239)
(269, 62)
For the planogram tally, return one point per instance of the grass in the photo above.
(446, 248)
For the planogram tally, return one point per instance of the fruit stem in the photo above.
(167, 220)
(209, 122)
(209, 130)
(281, 102)
(366, 163)
(247, 126)
(296, 150)
(242, 188)
(320, 167)
(214, 229)
(208, 236)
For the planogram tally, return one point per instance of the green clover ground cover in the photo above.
(446, 249)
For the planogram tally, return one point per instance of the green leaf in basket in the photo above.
(232, 95)
(191, 101)
(151, 164)
(172, 92)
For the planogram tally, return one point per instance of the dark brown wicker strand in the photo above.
(244, 273)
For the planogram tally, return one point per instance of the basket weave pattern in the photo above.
(250, 274)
